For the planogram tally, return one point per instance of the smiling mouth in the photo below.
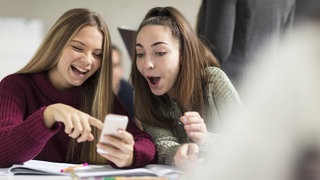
(79, 70)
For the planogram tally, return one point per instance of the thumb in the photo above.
(193, 150)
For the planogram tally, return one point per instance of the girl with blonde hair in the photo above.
(53, 108)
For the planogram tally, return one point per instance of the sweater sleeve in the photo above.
(225, 95)
(166, 143)
(144, 148)
(22, 138)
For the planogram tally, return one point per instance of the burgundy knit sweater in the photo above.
(23, 135)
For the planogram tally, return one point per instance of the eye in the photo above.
(140, 55)
(76, 48)
(98, 56)
(115, 65)
(160, 53)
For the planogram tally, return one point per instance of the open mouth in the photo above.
(78, 70)
(154, 80)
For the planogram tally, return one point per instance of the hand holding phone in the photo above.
(112, 123)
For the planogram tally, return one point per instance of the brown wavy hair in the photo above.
(195, 57)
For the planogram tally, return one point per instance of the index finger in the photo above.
(191, 113)
(95, 122)
(191, 119)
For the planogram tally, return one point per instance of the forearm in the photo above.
(22, 140)
(144, 153)
(166, 143)
(166, 151)
(144, 147)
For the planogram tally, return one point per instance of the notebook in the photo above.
(128, 37)
(36, 167)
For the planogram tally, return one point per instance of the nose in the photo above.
(148, 63)
(87, 59)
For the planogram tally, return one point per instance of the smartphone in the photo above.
(112, 123)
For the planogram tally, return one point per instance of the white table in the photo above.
(37, 177)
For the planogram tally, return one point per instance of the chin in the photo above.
(76, 83)
(157, 93)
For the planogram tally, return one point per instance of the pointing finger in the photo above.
(96, 123)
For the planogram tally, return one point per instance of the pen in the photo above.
(135, 178)
(73, 167)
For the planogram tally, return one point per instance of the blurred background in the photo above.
(23, 23)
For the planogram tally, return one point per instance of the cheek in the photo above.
(97, 64)
(71, 55)
(175, 69)
(116, 74)
(64, 62)
(139, 66)
(67, 59)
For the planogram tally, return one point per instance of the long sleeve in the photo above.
(225, 96)
(223, 101)
(166, 143)
(22, 136)
(144, 148)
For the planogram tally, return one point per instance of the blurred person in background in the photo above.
(278, 136)
(236, 29)
(121, 87)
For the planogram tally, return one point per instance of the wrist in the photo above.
(47, 118)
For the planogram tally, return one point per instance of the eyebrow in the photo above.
(77, 41)
(74, 40)
(152, 45)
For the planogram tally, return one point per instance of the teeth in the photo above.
(81, 70)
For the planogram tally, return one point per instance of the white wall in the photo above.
(19, 39)
(116, 13)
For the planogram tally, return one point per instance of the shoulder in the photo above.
(15, 77)
(14, 81)
(216, 74)
(221, 87)
(15, 86)
(218, 81)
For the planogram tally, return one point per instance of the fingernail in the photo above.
(184, 119)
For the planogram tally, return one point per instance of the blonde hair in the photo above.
(96, 94)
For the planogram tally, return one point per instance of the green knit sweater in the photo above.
(222, 97)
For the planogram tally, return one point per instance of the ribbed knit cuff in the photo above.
(168, 157)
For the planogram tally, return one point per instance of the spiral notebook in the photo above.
(36, 167)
